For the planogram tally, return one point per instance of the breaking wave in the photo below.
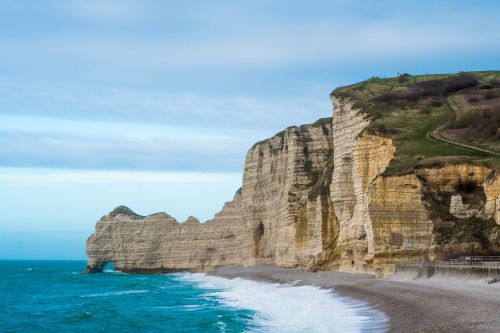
(290, 308)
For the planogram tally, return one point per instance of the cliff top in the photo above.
(317, 123)
(433, 118)
(123, 210)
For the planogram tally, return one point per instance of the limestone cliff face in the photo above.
(387, 218)
(318, 197)
(158, 243)
(281, 215)
(359, 158)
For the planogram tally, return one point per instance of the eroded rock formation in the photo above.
(282, 214)
(317, 197)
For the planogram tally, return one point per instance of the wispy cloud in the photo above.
(52, 142)
(64, 200)
(265, 46)
(204, 39)
(54, 177)
(198, 111)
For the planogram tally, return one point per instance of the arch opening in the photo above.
(109, 267)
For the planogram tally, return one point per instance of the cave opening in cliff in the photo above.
(257, 235)
(109, 267)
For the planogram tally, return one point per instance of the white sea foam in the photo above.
(116, 293)
(289, 308)
(112, 271)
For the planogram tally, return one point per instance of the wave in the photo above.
(291, 308)
(116, 293)
(110, 271)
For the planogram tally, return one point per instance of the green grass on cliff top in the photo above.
(407, 108)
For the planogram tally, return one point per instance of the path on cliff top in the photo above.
(435, 134)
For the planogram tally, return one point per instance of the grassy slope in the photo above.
(406, 109)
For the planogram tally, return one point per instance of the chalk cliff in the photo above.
(339, 194)
(282, 214)
(385, 218)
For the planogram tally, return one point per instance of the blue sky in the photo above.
(153, 104)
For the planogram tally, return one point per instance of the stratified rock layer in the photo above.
(316, 197)
(281, 215)
(387, 218)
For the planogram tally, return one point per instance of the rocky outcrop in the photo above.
(492, 191)
(318, 196)
(462, 211)
(281, 215)
(158, 243)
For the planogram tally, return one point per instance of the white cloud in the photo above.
(267, 45)
(183, 114)
(116, 130)
(41, 142)
(49, 177)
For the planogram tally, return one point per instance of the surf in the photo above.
(290, 307)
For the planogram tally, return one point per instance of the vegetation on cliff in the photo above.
(433, 119)
(321, 182)
(449, 229)
(123, 210)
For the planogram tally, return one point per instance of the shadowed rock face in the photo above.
(273, 218)
(317, 197)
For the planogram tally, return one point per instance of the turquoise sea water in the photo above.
(52, 296)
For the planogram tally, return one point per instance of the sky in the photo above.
(154, 104)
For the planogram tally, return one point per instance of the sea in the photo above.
(53, 296)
